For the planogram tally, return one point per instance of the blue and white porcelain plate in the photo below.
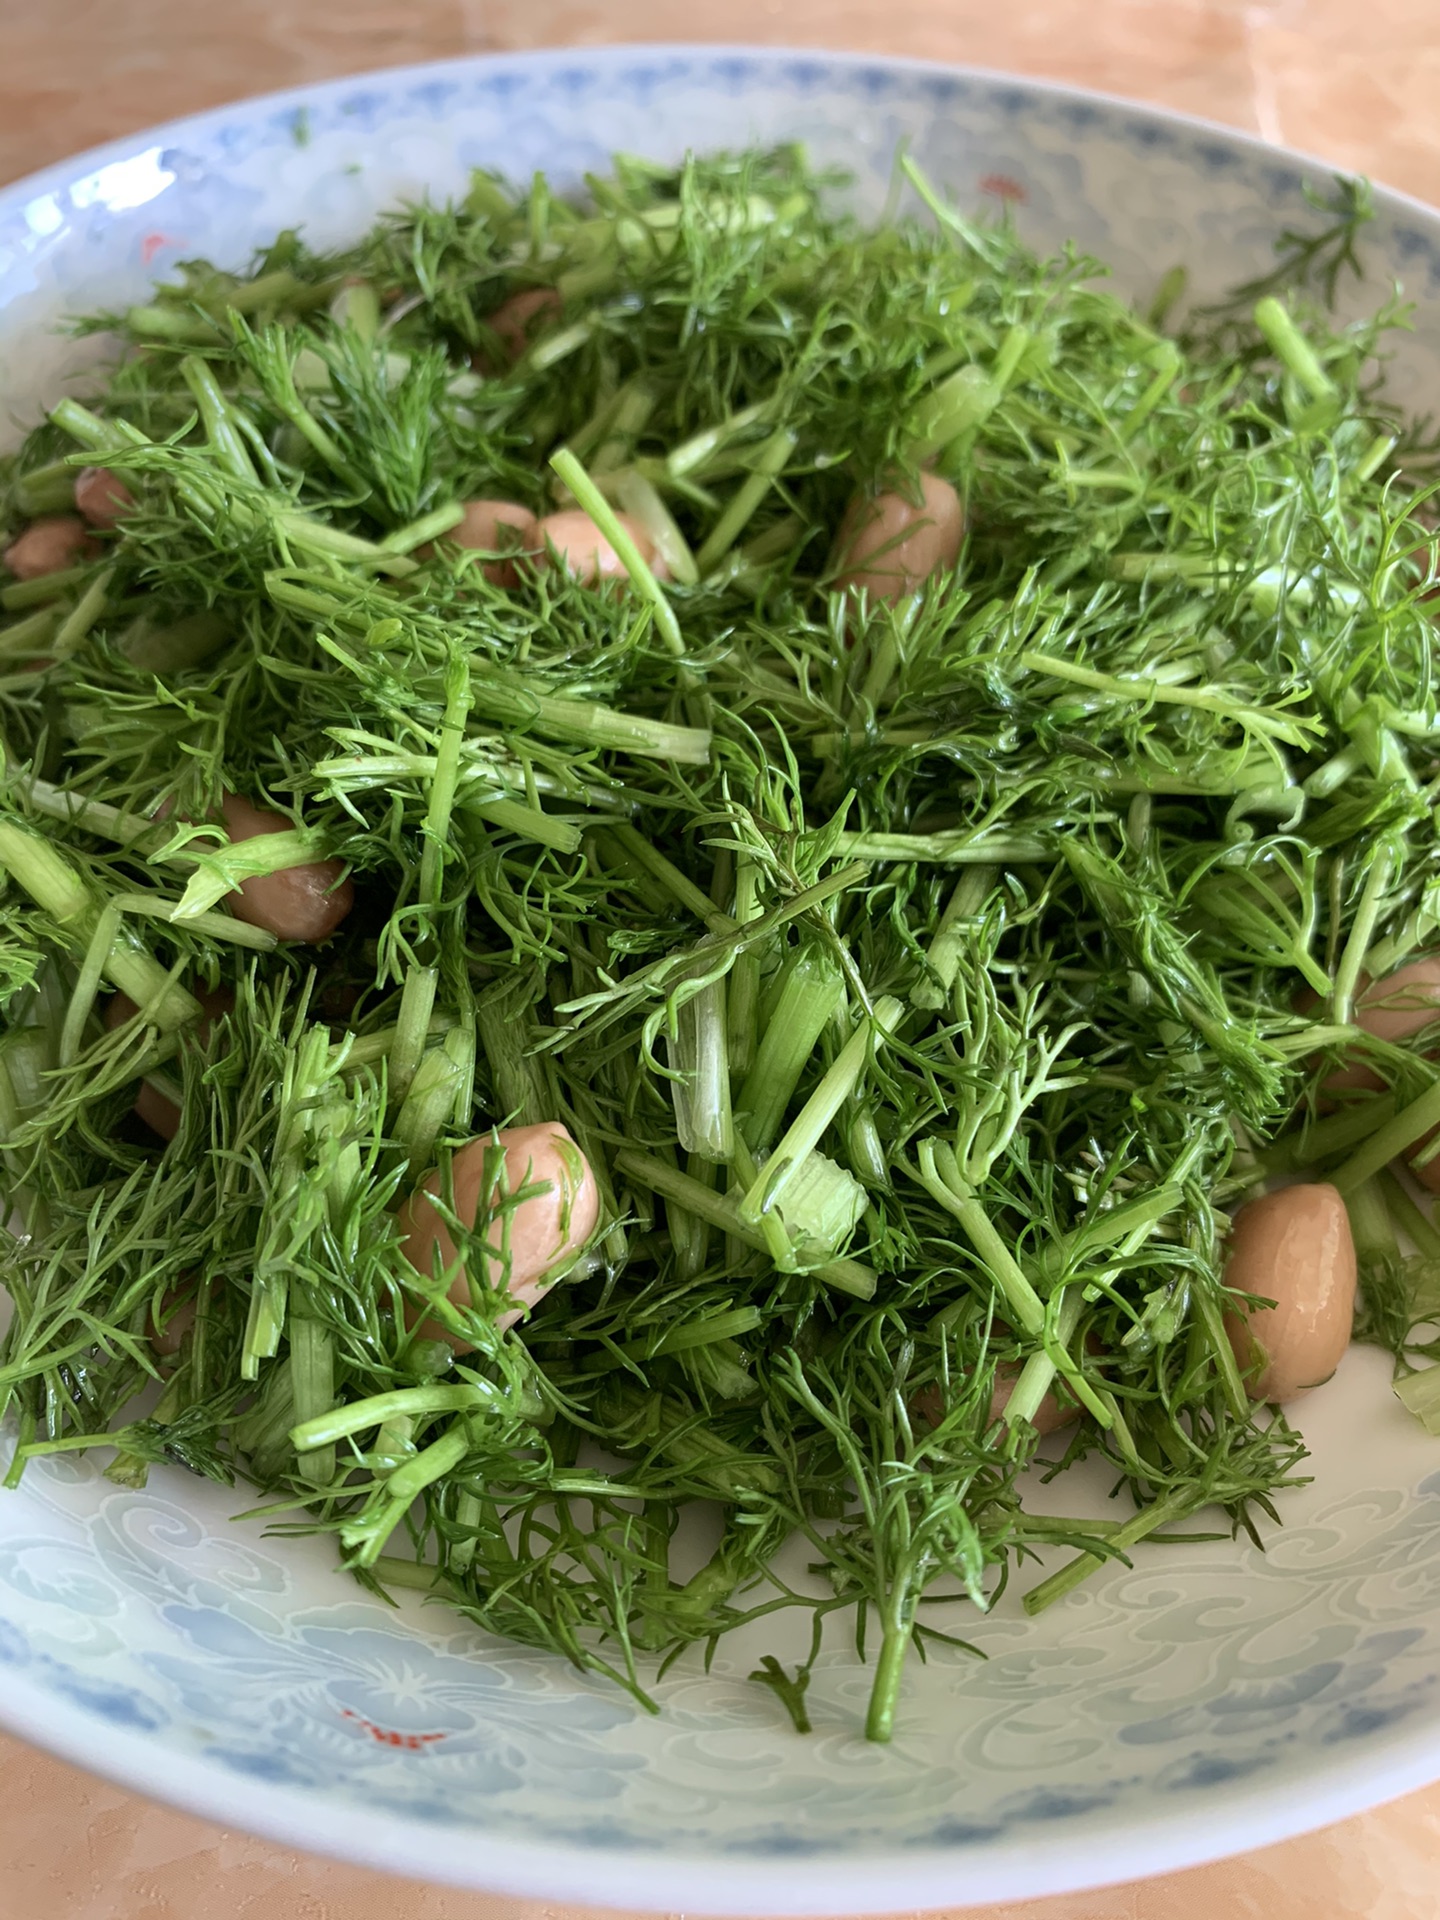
(1208, 1699)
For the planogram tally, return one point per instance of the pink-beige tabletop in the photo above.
(1353, 81)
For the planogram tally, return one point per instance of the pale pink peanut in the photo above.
(49, 545)
(501, 527)
(890, 543)
(534, 1240)
(305, 902)
(1392, 1009)
(518, 319)
(1294, 1247)
(102, 499)
(572, 538)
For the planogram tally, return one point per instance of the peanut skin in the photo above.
(1293, 1247)
(546, 1230)
(572, 538)
(1392, 1009)
(304, 903)
(102, 499)
(890, 544)
(49, 545)
(500, 527)
(516, 322)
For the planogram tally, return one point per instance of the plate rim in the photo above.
(1233, 1817)
(92, 159)
(1110, 1851)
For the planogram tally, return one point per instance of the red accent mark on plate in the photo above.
(383, 1736)
(153, 242)
(1004, 187)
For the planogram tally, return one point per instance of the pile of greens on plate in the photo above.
(764, 966)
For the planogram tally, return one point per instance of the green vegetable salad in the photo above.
(764, 968)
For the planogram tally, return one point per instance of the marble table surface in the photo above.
(1354, 81)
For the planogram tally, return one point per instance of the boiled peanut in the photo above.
(49, 545)
(101, 498)
(1293, 1247)
(890, 543)
(305, 902)
(533, 1240)
(572, 538)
